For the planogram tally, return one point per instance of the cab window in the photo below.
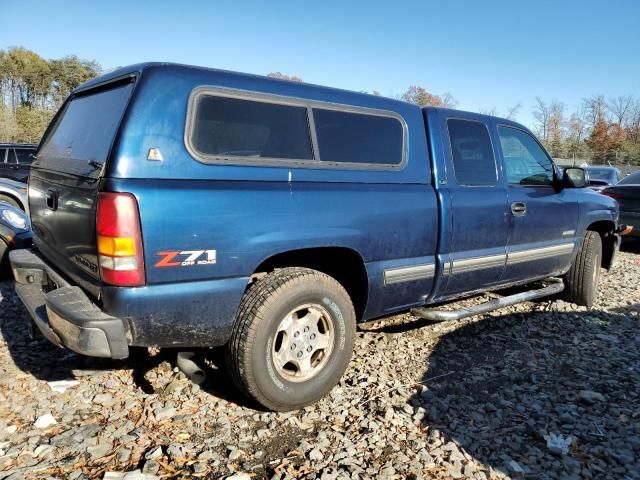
(233, 127)
(473, 161)
(526, 163)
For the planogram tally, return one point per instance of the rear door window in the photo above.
(473, 161)
(233, 128)
(349, 137)
(11, 157)
(84, 132)
(24, 156)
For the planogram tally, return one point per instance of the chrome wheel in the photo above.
(303, 343)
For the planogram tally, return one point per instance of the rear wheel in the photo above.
(10, 201)
(583, 277)
(293, 338)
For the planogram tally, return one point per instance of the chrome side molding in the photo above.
(539, 253)
(408, 274)
(478, 263)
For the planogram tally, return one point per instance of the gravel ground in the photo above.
(544, 390)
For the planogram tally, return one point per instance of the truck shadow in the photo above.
(630, 245)
(38, 357)
(499, 387)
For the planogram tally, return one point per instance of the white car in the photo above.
(14, 193)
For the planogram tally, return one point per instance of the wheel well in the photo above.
(605, 228)
(343, 264)
(14, 198)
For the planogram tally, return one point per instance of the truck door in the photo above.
(543, 221)
(476, 254)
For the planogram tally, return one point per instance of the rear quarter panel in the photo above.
(249, 213)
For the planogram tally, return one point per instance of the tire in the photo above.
(272, 317)
(582, 278)
(5, 266)
(10, 201)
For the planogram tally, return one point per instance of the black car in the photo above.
(15, 232)
(627, 193)
(15, 160)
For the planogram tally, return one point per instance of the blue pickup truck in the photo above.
(176, 206)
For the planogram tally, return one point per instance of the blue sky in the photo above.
(486, 53)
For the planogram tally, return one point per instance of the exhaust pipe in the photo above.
(190, 368)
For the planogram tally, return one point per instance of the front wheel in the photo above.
(583, 277)
(293, 338)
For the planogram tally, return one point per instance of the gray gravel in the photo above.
(545, 390)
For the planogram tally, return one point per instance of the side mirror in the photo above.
(574, 177)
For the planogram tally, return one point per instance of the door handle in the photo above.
(52, 199)
(519, 209)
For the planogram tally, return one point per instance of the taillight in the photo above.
(120, 253)
(615, 195)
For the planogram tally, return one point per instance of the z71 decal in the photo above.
(186, 258)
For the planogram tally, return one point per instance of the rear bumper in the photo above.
(178, 314)
(63, 313)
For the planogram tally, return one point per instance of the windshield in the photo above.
(85, 131)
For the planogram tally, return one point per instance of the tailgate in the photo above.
(65, 177)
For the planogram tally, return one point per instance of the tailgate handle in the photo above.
(52, 199)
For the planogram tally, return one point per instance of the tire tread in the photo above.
(578, 279)
(258, 297)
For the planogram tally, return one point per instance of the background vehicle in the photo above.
(15, 232)
(602, 177)
(210, 208)
(14, 193)
(15, 161)
(627, 194)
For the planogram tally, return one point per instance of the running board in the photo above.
(444, 315)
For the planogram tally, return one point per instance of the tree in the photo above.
(599, 140)
(26, 78)
(68, 73)
(620, 108)
(283, 76)
(596, 110)
(32, 123)
(541, 112)
(576, 128)
(493, 111)
(555, 129)
(32, 88)
(420, 96)
(448, 100)
(633, 127)
(512, 112)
